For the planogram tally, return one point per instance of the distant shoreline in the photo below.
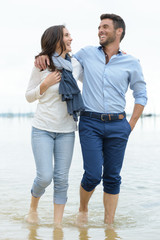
(12, 115)
(31, 114)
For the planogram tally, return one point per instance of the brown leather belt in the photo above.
(104, 116)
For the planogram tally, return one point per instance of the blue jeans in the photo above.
(45, 146)
(103, 146)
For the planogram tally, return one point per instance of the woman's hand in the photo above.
(41, 62)
(50, 80)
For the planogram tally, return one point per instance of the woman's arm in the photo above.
(50, 80)
(33, 91)
(38, 84)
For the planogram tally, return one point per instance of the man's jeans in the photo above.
(103, 146)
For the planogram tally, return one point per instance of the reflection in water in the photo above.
(57, 233)
(110, 234)
(32, 232)
(83, 234)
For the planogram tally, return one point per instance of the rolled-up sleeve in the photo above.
(138, 84)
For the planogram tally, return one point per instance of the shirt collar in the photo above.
(119, 51)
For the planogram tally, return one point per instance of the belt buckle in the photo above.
(108, 117)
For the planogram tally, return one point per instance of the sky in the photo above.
(22, 23)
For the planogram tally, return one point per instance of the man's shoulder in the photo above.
(130, 57)
(86, 52)
(89, 48)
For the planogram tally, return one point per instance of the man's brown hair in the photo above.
(117, 22)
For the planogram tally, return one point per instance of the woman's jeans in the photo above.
(47, 146)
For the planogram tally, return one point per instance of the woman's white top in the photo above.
(51, 113)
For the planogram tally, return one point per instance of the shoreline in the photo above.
(31, 114)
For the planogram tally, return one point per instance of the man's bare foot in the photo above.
(109, 226)
(81, 219)
(32, 217)
(110, 233)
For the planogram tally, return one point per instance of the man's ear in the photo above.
(119, 31)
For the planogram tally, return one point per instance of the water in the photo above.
(138, 213)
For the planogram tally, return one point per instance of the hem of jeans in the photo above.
(114, 192)
(87, 189)
(36, 196)
(60, 200)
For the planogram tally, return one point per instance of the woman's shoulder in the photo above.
(37, 70)
(39, 74)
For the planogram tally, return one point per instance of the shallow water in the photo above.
(138, 213)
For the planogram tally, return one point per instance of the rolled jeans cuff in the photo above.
(60, 200)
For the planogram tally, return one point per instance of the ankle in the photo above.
(109, 220)
(57, 225)
(32, 210)
(83, 209)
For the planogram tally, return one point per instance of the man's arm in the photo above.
(77, 69)
(41, 62)
(137, 111)
(138, 85)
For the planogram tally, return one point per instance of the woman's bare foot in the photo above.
(32, 217)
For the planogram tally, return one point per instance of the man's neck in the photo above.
(111, 50)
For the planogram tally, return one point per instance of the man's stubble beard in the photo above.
(111, 39)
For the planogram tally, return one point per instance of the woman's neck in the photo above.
(63, 54)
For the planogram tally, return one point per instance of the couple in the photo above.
(106, 74)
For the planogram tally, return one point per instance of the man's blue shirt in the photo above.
(105, 85)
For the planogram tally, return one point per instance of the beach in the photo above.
(137, 216)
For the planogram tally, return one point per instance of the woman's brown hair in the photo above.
(49, 41)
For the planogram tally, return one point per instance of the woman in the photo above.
(55, 119)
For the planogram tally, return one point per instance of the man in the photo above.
(103, 127)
